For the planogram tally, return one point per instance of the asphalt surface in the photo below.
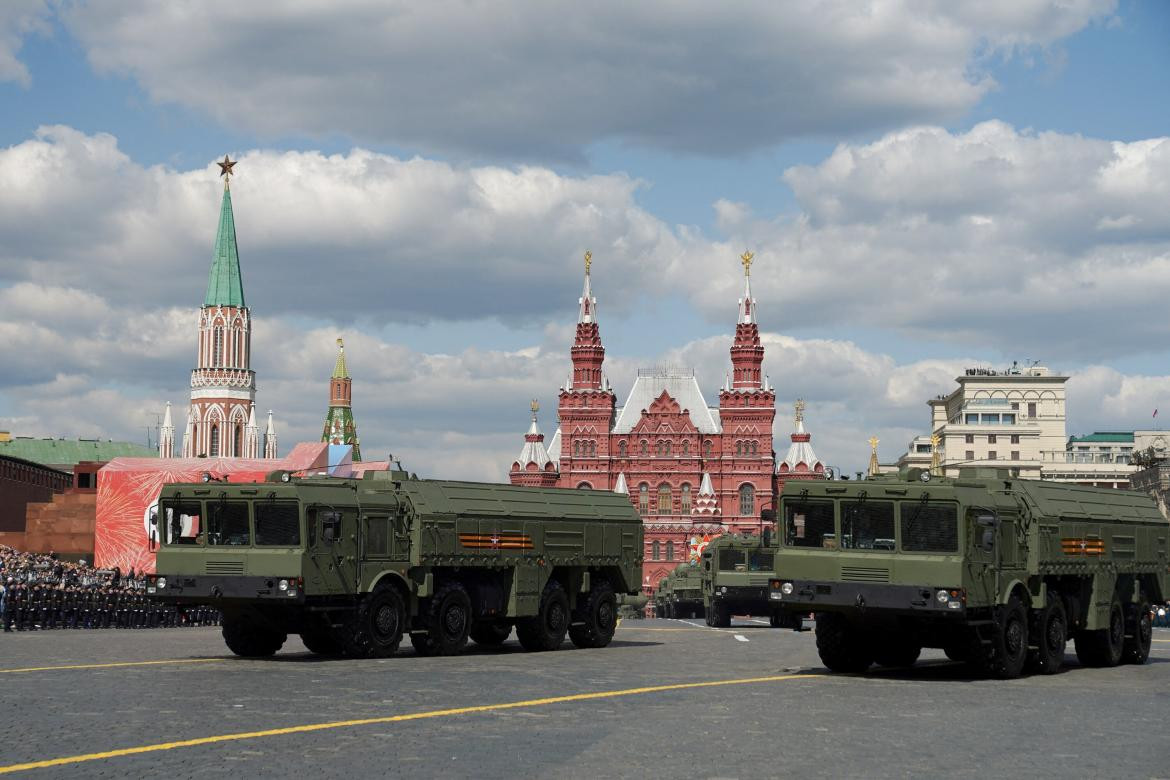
(776, 712)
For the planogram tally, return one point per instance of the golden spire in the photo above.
(746, 258)
(341, 343)
(799, 410)
(535, 406)
(588, 261)
(874, 467)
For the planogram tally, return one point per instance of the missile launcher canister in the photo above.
(354, 564)
(997, 571)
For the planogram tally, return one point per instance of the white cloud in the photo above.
(18, 20)
(536, 79)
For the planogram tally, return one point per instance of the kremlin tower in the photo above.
(534, 468)
(800, 462)
(339, 425)
(221, 419)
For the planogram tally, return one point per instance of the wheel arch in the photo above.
(1019, 589)
(396, 580)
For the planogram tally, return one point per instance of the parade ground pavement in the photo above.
(668, 698)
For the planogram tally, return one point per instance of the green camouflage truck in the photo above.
(997, 571)
(736, 570)
(680, 593)
(353, 564)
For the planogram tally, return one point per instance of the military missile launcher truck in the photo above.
(736, 570)
(353, 564)
(680, 593)
(998, 571)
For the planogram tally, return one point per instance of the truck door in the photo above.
(333, 535)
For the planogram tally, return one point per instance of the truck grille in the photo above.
(865, 574)
(223, 567)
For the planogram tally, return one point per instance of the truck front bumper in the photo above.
(212, 588)
(920, 600)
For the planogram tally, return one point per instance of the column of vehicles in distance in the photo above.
(354, 564)
(680, 593)
(736, 570)
(997, 571)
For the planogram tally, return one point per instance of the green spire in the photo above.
(339, 369)
(224, 287)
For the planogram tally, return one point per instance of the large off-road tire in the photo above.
(1050, 633)
(841, 645)
(490, 634)
(1139, 633)
(447, 622)
(320, 641)
(896, 651)
(547, 628)
(718, 616)
(375, 628)
(1103, 647)
(1011, 641)
(596, 617)
(247, 639)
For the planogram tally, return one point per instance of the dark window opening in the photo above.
(227, 523)
(867, 525)
(929, 528)
(278, 524)
(178, 522)
(809, 524)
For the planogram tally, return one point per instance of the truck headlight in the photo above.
(942, 596)
(723, 590)
(161, 582)
(786, 589)
(283, 585)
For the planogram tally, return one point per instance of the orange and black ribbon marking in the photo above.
(501, 541)
(1082, 547)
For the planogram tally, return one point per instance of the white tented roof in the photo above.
(801, 452)
(554, 448)
(534, 451)
(681, 385)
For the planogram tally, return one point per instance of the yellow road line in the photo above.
(111, 666)
(392, 719)
(1160, 640)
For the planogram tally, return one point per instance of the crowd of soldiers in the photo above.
(40, 592)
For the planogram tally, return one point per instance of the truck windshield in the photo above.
(227, 523)
(929, 527)
(178, 521)
(278, 524)
(867, 525)
(809, 524)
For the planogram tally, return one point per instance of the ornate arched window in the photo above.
(739, 448)
(664, 499)
(654, 550)
(669, 448)
(686, 498)
(576, 448)
(644, 498)
(670, 551)
(747, 500)
(686, 448)
(217, 349)
(707, 448)
(621, 449)
(592, 448)
(754, 444)
(214, 440)
(584, 486)
(239, 440)
(645, 447)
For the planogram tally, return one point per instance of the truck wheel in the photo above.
(375, 630)
(1140, 633)
(1105, 646)
(546, 629)
(320, 641)
(1011, 641)
(247, 639)
(490, 634)
(840, 644)
(897, 652)
(718, 616)
(598, 616)
(1051, 636)
(447, 622)
(956, 652)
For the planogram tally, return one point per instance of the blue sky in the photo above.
(647, 169)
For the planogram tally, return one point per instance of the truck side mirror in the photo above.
(767, 536)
